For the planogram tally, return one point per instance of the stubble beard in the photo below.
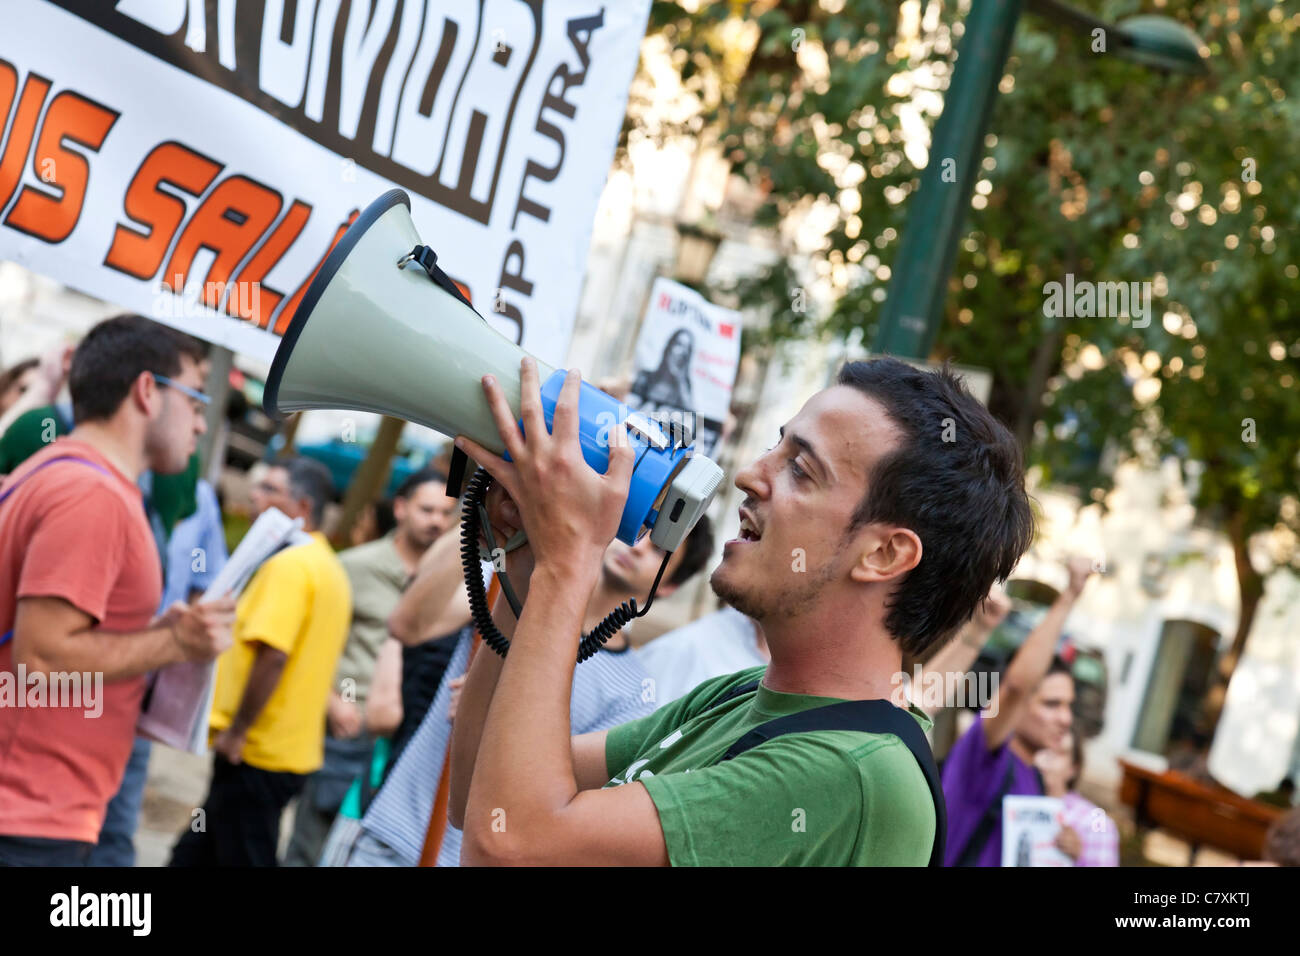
(161, 455)
(766, 604)
(421, 543)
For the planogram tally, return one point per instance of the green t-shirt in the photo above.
(822, 798)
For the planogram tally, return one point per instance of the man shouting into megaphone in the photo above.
(871, 529)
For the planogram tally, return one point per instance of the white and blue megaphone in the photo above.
(382, 329)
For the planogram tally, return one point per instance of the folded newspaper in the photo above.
(179, 699)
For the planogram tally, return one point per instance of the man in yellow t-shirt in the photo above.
(268, 712)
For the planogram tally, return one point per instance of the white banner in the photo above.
(219, 148)
(687, 354)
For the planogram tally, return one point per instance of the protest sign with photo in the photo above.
(1029, 829)
(687, 354)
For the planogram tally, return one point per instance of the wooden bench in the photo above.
(1201, 814)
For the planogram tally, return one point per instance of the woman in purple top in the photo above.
(1030, 711)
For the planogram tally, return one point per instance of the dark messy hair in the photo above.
(1059, 665)
(14, 372)
(698, 547)
(418, 478)
(309, 479)
(114, 353)
(956, 479)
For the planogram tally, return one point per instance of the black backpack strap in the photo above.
(866, 716)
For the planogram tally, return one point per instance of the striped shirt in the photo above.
(608, 689)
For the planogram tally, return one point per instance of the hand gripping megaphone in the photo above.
(382, 329)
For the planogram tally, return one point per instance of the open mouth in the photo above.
(748, 530)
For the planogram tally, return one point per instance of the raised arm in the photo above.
(435, 603)
(1030, 663)
(588, 749)
(524, 765)
(958, 655)
(485, 669)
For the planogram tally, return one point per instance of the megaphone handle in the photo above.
(506, 588)
(481, 614)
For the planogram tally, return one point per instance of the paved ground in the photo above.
(176, 786)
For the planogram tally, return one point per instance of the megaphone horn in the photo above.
(382, 329)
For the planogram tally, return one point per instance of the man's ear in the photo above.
(144, 392)
(886, 553)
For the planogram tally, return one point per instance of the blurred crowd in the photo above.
(338, 673)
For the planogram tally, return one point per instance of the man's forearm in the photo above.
(383, 709)
(262, 680)
(524, 765)
(956, 658)
(471, 713)
(1031, 662)
(467, 729)
(115, 655)
(959, 654)
(1027, 669)
(440, 575)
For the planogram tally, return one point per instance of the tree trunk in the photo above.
(370, 478)
(289, 432)
(1250, 586)
(1046, 357)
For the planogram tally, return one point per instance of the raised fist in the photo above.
(1080, 569)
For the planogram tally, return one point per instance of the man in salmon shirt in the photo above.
(80, 581)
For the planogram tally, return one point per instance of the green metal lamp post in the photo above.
(913, 311)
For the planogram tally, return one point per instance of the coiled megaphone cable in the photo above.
(481, 614)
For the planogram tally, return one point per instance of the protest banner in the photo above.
(195, 160)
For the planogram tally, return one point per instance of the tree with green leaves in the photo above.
(1095, 168)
